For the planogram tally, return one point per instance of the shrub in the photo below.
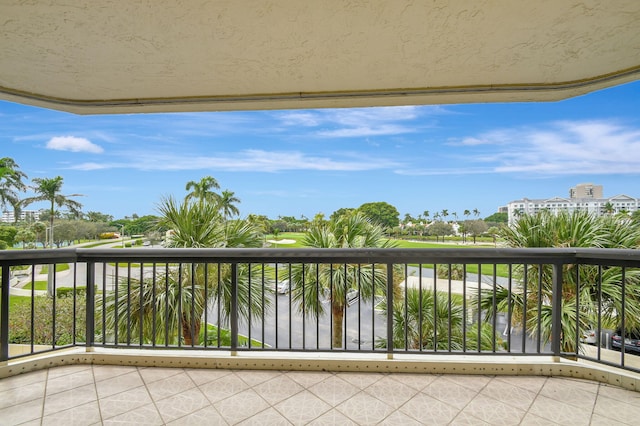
(20, 321)
(139, 242)
(3, 245)
(127, 244)
(457, 272)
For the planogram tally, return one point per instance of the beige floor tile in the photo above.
(241, 406)
(391, 391)
(153, 374)
(530, 383)
(600, 420)
(493, 411)
(475, 383)
(268, 417)
(465, 418)
(559, 412)
(207, 416)
(69, 381)
(618, 410)
(68, 399)
(201, 376)
(67, 369)
(361, 380)
(363, 408)
(398, 418)
(19, 395)
(332, 417)
(122, 402)
(145, 415)
(622, 395)
(533, 420)
(181, 404)
(571, 392)
(450, 392)
(509, 394)
(428, 410)
(77, 416)
(21, 413)
(107, 372)
(23, 380)
(170, 386)
(416, 381)
(223, 388)
(119, 383)
(302, 407)
(334, 390)
(307, 379)
(277, 389)
(255, 377)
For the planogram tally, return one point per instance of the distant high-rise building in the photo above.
(583, 197)
(586, 190)
(25, 215)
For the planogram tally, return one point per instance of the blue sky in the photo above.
(302, 162)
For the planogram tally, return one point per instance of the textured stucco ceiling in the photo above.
(113, 56)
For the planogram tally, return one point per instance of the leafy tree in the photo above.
(203, 190)
(440, 228)
(564, 229)
(24, 236)
(381, 213)
(48, 189)
(475, 228)
(10, 184)
(8, 234)
(227, 204)
(497, 218)
(608, 208)
(434, 320)
(98, 217)
(312, 282)
(181, 295)
(39, 228)
(341, 212)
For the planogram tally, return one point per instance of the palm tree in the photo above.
(426, 215)
(434, 320)
(203, 190)
(476, 212)
(10, 184)
(585, 286)
(313, 282)
(176, 300)
(445, 213)
(226, 204)
(48, 189)
(608, 208)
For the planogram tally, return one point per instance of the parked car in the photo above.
(284, 286)
(352, 297)
(631, 341)
(589, 336)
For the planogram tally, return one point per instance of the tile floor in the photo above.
(110, 395)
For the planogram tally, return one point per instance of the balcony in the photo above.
(308, 353)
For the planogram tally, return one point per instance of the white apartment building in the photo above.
(583, 197)
(25, 215)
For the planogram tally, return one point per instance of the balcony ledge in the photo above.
(343, 362)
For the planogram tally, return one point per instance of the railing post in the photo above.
(556, 311)
(389, 311)
(91, 303)
(4, 314)
(233, 315)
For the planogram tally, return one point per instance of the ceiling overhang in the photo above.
(110, 56)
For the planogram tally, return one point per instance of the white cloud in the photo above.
(559, 148)
(245, 161)
(73, 144)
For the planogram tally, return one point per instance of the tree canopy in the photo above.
(381, 213)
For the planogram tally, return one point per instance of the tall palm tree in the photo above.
(179, 298)
(203, 190)
(586, 286)
(476, 212)
(226, 204)
(445, 213)
(434, 320)
(48, 189)
(312, 282)
(10, 184)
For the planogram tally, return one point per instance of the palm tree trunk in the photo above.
(337, 312)
(190, 339)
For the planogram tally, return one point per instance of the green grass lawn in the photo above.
(40, 285)
(59, 268)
